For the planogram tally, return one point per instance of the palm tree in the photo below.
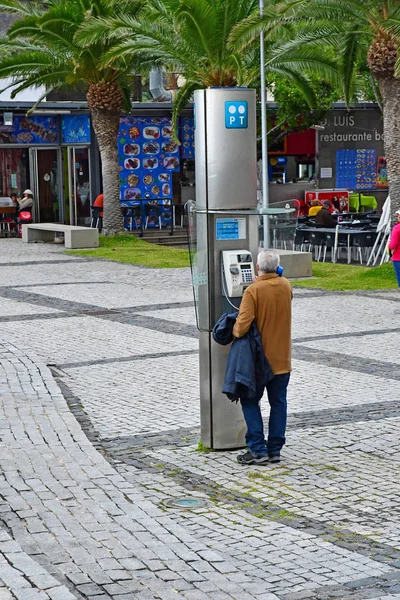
(41, 49)
(360, 32)
(193, 38)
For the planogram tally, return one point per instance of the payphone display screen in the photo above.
(231, 229)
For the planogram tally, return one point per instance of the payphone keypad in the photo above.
(247, 274)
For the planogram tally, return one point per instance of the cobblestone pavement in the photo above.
(99, 430)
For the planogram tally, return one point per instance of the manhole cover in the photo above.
(185, 503)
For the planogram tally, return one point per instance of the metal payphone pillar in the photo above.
(226, 195)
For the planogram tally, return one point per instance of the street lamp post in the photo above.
(264, 145)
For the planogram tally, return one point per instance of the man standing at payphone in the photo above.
(267, 302)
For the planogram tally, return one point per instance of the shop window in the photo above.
(305, 171)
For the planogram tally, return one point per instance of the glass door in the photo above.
(45, 184)
(79, 190)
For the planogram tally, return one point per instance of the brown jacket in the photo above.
(325, 219)
(268, 302)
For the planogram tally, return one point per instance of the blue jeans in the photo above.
(396, 266)
(255, 439)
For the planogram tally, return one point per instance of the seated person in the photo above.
(324, 217)
(314, 208)
(26, 201)
(97, 212)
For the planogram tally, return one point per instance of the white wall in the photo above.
(30, 95)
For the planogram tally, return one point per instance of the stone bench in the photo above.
(74, 236)
(295, 264)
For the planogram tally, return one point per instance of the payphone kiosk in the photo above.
(223, 228)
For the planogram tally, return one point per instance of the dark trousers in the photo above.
(396, 266)
(255, 439)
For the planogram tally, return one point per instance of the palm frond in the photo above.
(301, 82)
(196, 16)
(347, 63)
(126, 92)
(106, 29)
(180, 103)
(21, 8)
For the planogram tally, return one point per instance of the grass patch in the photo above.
(127, 248)
(202, 448)
(336, 277)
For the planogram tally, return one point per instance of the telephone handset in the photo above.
(238, 270)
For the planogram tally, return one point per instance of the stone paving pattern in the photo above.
(99, 429)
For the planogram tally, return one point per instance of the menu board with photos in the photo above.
(187, 137)
(356, 169)
(30, 130)
(147, 157)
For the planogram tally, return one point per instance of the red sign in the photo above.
(339, 199)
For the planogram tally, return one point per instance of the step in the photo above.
(175, 244)
(149, 233)
(164, 239)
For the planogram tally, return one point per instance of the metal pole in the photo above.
(264, 145)
(317, 176)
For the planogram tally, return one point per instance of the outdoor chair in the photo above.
(341, 241)
(5, 225)
(363, 241)
(329, 244)
(368, 203)
(134, 215)
(96, 217)
(7, 222)
(283, 234)
(153, 211)
(317, 240)
(354, 202)
(302, 240)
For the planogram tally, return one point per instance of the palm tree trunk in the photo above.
(390, 90)
(105, 125)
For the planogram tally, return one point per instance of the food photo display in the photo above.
(147, 158)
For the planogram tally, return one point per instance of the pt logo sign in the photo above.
(236, 115)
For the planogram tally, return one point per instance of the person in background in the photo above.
(99, 202)
(26, 201)
(314, 208)
(394, 247)
(324, 217)
(267, 302)
(97, 212)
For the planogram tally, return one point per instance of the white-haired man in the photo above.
(267, 302)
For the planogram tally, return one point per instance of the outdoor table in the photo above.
(339, 229)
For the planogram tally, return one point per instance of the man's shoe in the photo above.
(275, 458)
(251, 459)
